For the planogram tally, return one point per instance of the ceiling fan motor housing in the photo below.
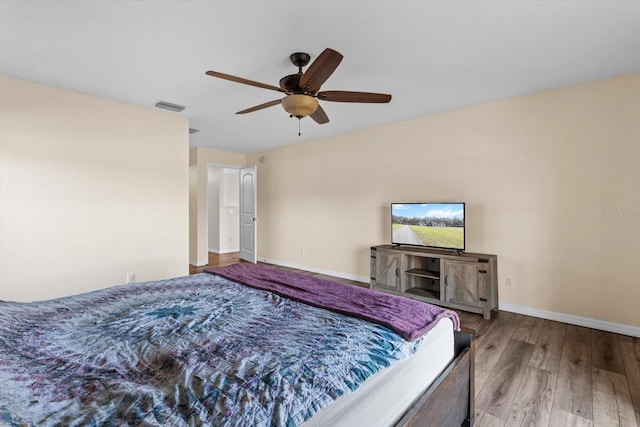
(291, 83)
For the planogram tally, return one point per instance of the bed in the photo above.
(241, 345)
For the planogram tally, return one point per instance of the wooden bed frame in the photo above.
(450, 399)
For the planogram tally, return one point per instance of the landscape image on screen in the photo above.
(428, 224)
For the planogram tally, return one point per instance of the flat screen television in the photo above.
(436, 225)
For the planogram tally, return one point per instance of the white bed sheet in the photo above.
(384, 398)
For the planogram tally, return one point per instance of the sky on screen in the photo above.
(421, 210)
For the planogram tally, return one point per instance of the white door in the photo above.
(248, 217)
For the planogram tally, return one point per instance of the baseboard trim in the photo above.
(573, 320)
(195, 263)
(225, 251)
(316, 270)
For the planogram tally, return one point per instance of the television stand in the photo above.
(460, 280)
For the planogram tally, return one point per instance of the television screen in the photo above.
(438, 225)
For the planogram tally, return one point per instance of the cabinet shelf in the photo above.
(423, 273)
(424, 293)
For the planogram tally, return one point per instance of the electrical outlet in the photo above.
(131, 277)
(508, 281)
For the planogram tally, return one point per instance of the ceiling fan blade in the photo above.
(320, 70)
(260, 107)
(319, 116)
(348, 96)
(244, 81)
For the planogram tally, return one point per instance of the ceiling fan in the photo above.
(303, 88)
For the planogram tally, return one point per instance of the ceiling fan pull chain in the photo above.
(299, 133)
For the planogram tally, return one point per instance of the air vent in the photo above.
(170, 106)
(192, 130)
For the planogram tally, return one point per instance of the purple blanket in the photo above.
(408, 318)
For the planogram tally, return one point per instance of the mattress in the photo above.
(385, 397)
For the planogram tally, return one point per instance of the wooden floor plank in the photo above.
(529, 329)
(474, 323)
(574, 391)
(499, 391)
(560, 418)
(534, 399)
(605, 352)
(548, 349)
(488, 420)
(490, 346)
(611, 400)
(216, 260)
(630, 349)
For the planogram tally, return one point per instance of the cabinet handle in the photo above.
(446, 280)
(398, 272)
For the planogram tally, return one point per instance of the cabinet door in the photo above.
(464, 283)
(388, 271)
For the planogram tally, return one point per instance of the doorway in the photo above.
(223, 204)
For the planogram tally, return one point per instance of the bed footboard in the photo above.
(450, 399)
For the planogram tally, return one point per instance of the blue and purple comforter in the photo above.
(197, 350)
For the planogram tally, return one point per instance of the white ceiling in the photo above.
(432, 56)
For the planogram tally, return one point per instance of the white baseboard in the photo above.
(229, 251)
(317, 270)
(225, 251)
(601, 325)
(195, 263)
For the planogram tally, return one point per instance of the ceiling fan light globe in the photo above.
(299, 105)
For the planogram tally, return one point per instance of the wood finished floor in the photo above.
(536, 372)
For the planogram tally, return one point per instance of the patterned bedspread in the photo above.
(188, 351)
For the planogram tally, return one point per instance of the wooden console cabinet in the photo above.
(466, 281)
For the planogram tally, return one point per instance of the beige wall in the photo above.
(199, 158)
(551, 182)
(90, 190)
